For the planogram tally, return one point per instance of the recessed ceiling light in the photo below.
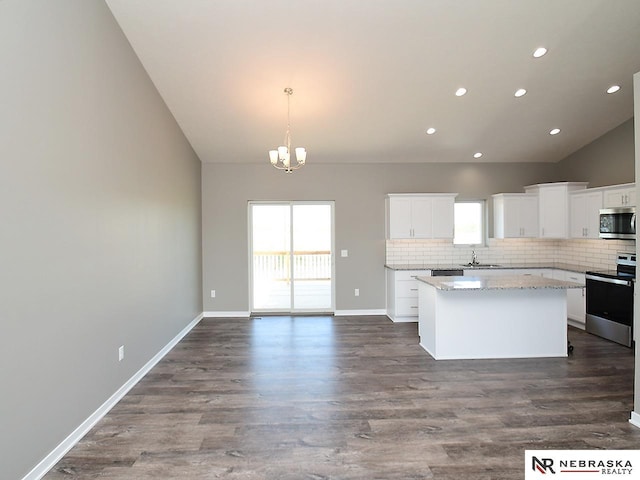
(613, 88)
(540, 51)
(520, 92)
(431, 131)
(554, 131)
(461, 91)
(477, 155)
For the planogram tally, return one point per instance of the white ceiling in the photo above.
(370, 76)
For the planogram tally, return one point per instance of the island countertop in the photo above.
(502, 266)
(500, 282)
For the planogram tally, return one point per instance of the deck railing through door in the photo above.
(307, 265)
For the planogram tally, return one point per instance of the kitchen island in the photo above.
(509, 316)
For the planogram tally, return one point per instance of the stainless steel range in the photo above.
(610, 300)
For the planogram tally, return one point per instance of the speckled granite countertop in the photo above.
(558, 266)
(500, 282)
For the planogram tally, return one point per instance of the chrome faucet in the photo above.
(474, 258)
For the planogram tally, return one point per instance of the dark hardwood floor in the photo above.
(295, 398)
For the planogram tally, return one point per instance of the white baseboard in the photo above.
(346, 313)
(404, 320)
(48, 462)
(226, 314)
(338, 313)
(576, 323)
(635, 419)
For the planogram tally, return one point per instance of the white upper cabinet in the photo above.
(515, 215)
(585, 213)
(399, 217)
(553, 207)
(620, 196)
(443, 216)
(420, 215)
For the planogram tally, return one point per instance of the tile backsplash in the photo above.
(593, 254)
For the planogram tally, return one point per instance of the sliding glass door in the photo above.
(291, 249)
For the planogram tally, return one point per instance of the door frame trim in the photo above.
(291, 203)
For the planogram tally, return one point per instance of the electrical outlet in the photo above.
(356, 292)
(121, 353)
(213, 294)
(344, 253)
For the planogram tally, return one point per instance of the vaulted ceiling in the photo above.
(371, 76)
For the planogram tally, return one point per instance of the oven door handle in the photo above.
(617, 281)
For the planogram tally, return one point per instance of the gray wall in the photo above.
(358, 191)
(608, 160)
(100, 209)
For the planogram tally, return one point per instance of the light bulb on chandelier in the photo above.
(281, 158)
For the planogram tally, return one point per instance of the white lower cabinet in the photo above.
(402, 290)
(576, 299)
(402, 294)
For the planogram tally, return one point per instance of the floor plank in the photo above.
(351, 398)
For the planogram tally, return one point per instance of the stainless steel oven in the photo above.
(609, 297)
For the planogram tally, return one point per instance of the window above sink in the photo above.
(469, 221)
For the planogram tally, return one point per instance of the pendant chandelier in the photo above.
(281, 158)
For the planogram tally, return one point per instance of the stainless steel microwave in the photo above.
(619, 222)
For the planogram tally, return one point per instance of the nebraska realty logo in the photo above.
(581, 464)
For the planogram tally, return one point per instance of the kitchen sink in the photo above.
(481, 265)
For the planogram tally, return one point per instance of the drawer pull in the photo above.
(413, 307)
(414, 289)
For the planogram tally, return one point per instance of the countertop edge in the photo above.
(538, 266)
(500, 282)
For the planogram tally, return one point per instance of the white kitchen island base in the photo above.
(468, 323)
